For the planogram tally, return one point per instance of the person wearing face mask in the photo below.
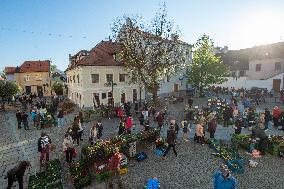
(224, 180)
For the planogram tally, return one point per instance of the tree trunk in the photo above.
(155, 93)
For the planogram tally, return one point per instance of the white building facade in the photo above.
(92, 79)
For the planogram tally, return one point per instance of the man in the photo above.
(19, 118)
(227, 114)
(43, 147)
(17, 174)
(257, 132)
(224, 180)
(212, 126)
(114, 164)
(25, 120)
(171, 140)
(160, 120)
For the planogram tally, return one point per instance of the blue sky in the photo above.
(52, 29)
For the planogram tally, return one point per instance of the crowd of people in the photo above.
(44, 113)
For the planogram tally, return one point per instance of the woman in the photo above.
(128, 125)
(199, 133)
(261, 121)
(185, 128)
(75, 131)
(17, 174)
(121, 128)
(212, 126)
(93, 134)
(68, 147)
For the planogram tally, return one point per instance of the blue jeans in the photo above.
(266, 125)
(60, 122)
(26, 125)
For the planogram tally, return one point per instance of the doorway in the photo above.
(28, 89)
(276, 85)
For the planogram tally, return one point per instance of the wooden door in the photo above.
(276, 85)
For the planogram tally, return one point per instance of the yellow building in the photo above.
(32, 77)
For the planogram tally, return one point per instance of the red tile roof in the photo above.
(100, 55)
(10, 70)
(34, 66)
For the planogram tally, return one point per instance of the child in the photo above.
(185, 128)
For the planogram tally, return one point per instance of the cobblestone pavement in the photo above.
(193, 168)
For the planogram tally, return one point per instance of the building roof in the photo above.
(34, 66)
(239, 59)
(10, 70)
(101, 55)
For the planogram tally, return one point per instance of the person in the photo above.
(261, 121)
(199, 133)
(268, 118)
(43, 147)
(19, 118)
(68, 147)
(128, 125)
(276, 115)
(185, 128)
(114, 165)
(121, 128)
(93, 134)
(60, 118)
(176, 128)
(160, 120)
(100, 129)
(75, 130)
(227, 114)
(171, 140)
(224, 180)
(146, 124)
(37, 120)
(25, 120)
(17, 174)
(81, 130)
(239, 124)
(212, 126)
(257, 132)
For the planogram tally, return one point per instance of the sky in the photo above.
(53, 29)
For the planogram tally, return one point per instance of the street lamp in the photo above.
(111, 84)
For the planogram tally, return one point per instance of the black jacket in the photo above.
(171, 136)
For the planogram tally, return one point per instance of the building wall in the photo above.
(248, 83)
(267, 68)
(83, 93)
(34, 80)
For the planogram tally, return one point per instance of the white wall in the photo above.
(248, 84)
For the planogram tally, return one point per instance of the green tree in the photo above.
(57, 88)
(8, 89)
(206, 68)
(52, 68)
(150, 52)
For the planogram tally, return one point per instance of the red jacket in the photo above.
(114, 161)
(128, 123)
(276, 113)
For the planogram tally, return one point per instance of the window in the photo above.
(258, 67)
(74, 79)
(104, 95)
(122, 77)
(109, 78)
(78, 78)
(175, 87)
(95, 78)
(27, 78)
(277, 66)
